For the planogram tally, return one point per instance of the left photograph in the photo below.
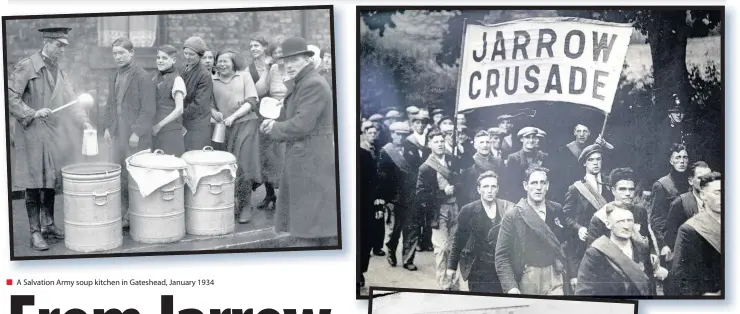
(171, 132)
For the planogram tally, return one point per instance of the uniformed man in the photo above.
(396, 187)
(583, 199)
(517, 163)
(529, 253)
(698, 264)
(44, 141)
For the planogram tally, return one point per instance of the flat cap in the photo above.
(421, 115)
(376, 117)
(504, 117)
(59, 33)
(393, 114)
(366, 125)
(531, 130)
(590, 149)
(437, 111)
(400, 127)
(497, 131)
(411, 110)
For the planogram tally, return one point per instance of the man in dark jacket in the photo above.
(416, 153)
(482, 162)
(570, 166)
(583, 199)
(529, 252)
(129, 114)
(616, 265)
(698, 261)
(435, 196)
(685, 205)
(396, 188)
(369, 212)
(44, 141)
(517, 163)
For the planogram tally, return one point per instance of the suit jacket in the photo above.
(520, 245)
(578, 212)
(470, 178)
(139, 106)
(395, 183)
(516, 166)
(429, 196)
(476, 237)
(598, 277)
(682, 208)
(662, 196)
(697, 266)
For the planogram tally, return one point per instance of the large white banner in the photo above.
(543, 59)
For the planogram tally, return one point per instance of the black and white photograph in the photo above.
(417, 301)
(566, 151)
(171, 132)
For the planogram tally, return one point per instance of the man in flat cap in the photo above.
(582, 200)
(396, 189)
(517, 163)
(416, 153)
(411, 111)
(376, 231)
(196, 116)
(44, 141)
(482, 162)
(509, 144)
(307, 199)
(497, 139)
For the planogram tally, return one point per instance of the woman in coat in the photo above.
(307, 199)
(199, 84)
(235, 98)
(167, 130)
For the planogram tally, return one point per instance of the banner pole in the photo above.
(459, 82)
(603, 126)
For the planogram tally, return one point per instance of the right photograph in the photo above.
(542, 150)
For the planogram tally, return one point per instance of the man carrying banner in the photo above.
(584, 198)
(615, 265)
(517, 163)
(529, 254)
(396, 187)
(435, 192)
(697, 263)
(568, 159)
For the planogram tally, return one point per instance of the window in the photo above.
(143, 30)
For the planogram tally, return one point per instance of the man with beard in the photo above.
(529, 254)
(517, 163)
(396, 188)
(377, 230)
(435, 193)
(584, 198)
(568, 159)
(697, 267)
(482, 162)
(615, 265)
(416, 153)
(685, 205)
(664, 191)
(474, 242)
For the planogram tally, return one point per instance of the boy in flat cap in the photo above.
(44, 141)
(584, 198)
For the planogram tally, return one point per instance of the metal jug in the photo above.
(219, 133)
(90, 143)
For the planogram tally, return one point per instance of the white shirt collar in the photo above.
(490, 210)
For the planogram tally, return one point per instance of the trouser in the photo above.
(40, 208)
(394, 234)
(484, 278)
(377, 234)
(411, 228)
(426, 230)
(440, 238)
(365, 244)
(541, 281)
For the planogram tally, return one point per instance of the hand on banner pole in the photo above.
(603, 143)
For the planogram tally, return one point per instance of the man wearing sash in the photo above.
(664, 191)
(529, 254)
(435, 192)
(482, 162)
(396, 188)
(685, 205)
(583, 199)
(517, 163)
(44, 141)
(615, 265)
(569, 159)
(697, 263)
(416, 153)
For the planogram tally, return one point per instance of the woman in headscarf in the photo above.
(208, 61)
(273, 152)
(235, 103)
(199, 84)
(169, 95)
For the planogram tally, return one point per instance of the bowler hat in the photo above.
(294, 46)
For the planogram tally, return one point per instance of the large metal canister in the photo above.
(209, 210)
(160, 216)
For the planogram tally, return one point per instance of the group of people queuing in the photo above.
(176, 110)
(502, 215)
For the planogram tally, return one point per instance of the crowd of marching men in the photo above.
(505, 217)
